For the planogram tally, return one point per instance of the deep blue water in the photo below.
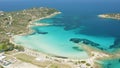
(86, 12)
(79, 15)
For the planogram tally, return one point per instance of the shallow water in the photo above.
(57, 40)
(114, 63)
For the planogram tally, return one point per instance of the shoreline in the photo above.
(36, 53)
(98, 56)
(102, 16)
(52, 57)
(31, 23)
(108, 16)
(45, 56)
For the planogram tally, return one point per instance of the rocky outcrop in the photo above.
(85, 41)
(77, 48)
(116, 44)
(42, 32)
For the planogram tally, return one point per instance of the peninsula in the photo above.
(111, 16)
(16, 22)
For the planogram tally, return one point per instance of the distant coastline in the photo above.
(110, 16)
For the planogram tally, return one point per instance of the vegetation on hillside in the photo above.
(12, 23)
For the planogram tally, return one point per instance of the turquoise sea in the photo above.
(114, 63)
(78, 20)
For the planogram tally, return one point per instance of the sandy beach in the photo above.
(43, 57)
(94, 54)
(31, 23)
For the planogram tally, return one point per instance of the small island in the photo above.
(111, 16)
